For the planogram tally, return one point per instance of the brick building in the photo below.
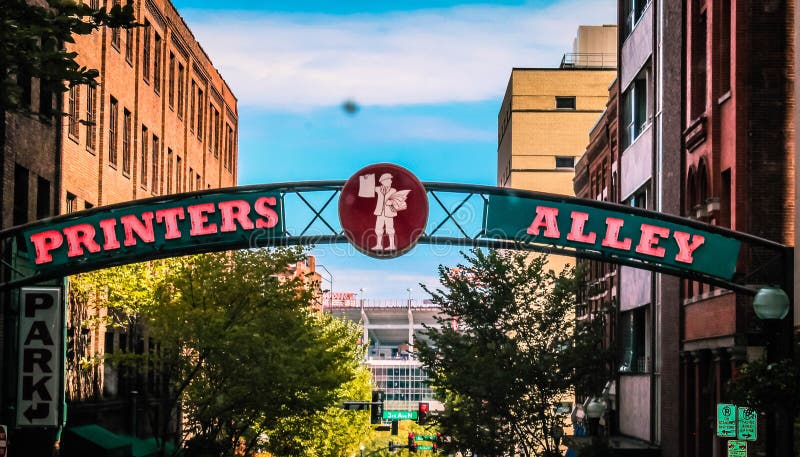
(163, 121)
(738, 165)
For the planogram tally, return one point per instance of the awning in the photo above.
(94, 440)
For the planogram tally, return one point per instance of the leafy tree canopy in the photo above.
(247, 360)
(508, 351)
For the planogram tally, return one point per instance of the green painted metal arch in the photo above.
(499, 218)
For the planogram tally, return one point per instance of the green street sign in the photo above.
(726, 420)
(399, 415)
(425, 437)
(737, 448)
(748, 424)
(423, 447)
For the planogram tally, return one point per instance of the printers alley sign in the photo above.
(383, 211)
(614, 233)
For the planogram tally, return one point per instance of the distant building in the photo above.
(547, 113)
(390, 329)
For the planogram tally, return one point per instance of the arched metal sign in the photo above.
(256, 216)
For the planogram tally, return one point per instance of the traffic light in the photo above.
(412, 443)
(376, 409)
(395, 427)
(422, 413)
(437, 441)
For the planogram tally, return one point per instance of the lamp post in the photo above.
(330, 280)
(361, 297)
(771, 304)
(409, 296)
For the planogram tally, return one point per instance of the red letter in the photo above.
(685, 249)
(199, 219)
(235, 211)
(143, 228)
(648, 243)
(545, 217)
(44, 242)
(576, 234)
(270, 217)
(612, 235)
(110, 234)
(170, 218)
(77, 235)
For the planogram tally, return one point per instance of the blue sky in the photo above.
(428, 77)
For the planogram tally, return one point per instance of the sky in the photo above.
(427, 76)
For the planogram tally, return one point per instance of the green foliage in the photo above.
(767, 386)
(32, 37)
(510, 352)
(250, 365)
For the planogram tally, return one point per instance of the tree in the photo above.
(236, 345)
(508, 351)
(32, 37)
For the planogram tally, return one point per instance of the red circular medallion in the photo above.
(383, 210)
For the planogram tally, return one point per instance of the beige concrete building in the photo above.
(547, 113)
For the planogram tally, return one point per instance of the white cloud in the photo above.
(459, 54)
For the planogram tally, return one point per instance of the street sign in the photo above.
(399, 415)
(423, 447)
(737, 448)
(41, 357)
(425, 437)
(726, 420)
(747, 424)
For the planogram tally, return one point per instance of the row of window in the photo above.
(152, 60)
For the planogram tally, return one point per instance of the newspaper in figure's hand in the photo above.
(366, 186)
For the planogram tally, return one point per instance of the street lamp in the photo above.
(771, 303)
(361, 296)
(409, 296)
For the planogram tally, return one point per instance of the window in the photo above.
(181, 82)
(129, 45)
(633, 345)
(200, 114)
(565, 162)
(565, 102)
(699, 60)
(639, 198)
(634, 107)
(126, 142)
(72, 203)
(43, 198)
(145, 152)
(112, 132)
(633, 10)
(115, 33)
(20, 195)
(171, 81)
(211, 127)
(24, 82)
(91, 132)
(74, 111)
(87, 205)
(178, 175)
(169, 171)
(146, 51)
(191, 181)
(155, 162)
(191, 106)
(197, 184)
(725, 47)
(157, 64)
(217, 131)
